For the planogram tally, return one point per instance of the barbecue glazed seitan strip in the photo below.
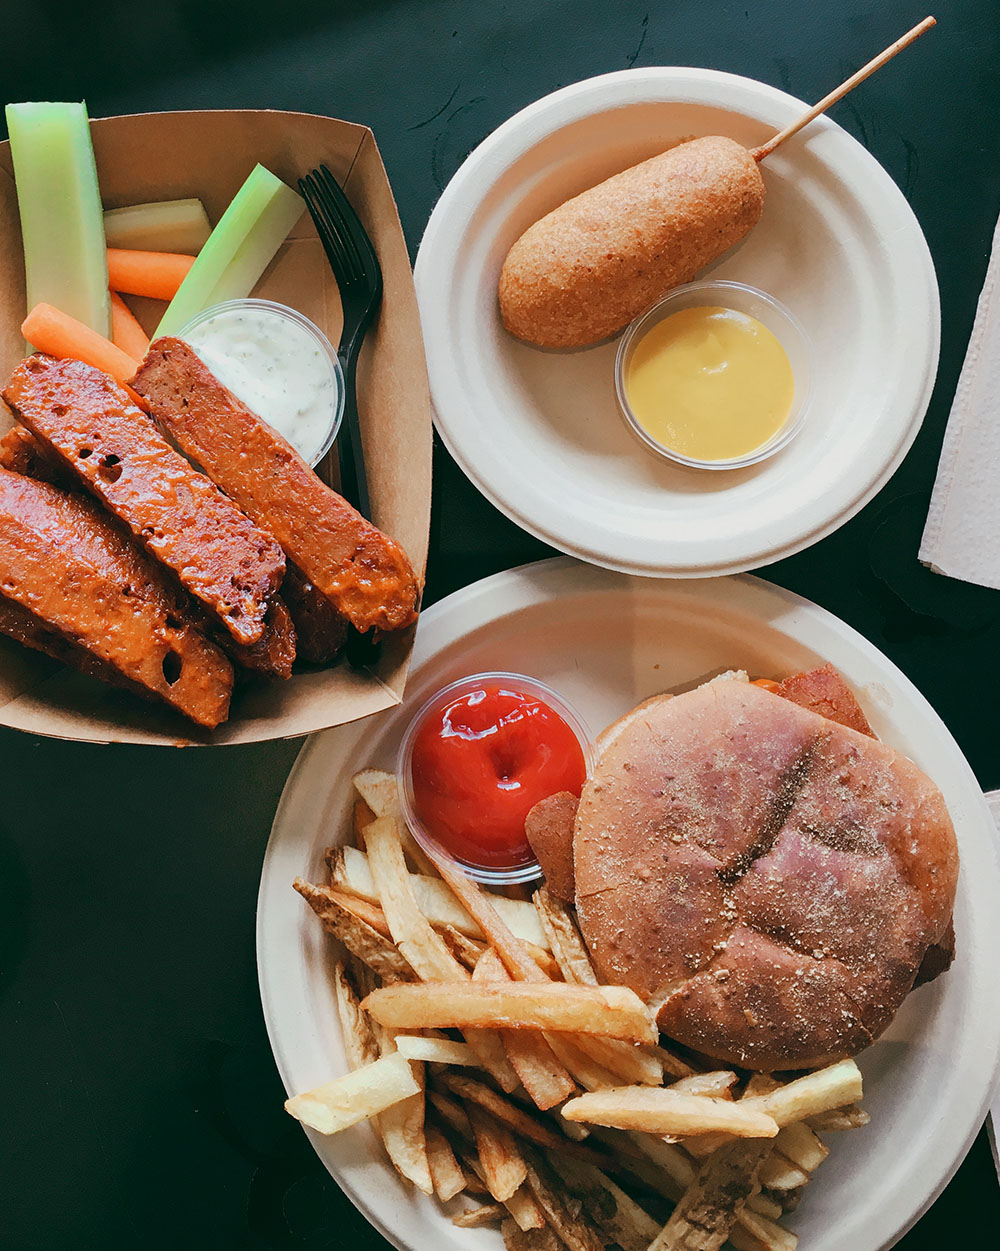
(183, 520)
(321, 629)
(365, 574)
(75, 587)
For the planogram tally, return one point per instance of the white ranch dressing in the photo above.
(278, 364)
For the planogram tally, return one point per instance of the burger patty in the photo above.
(769, 880)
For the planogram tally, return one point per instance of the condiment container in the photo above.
(277, 362)
(737, 296)
(525, 869)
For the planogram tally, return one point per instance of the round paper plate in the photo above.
(606, 641)
(539, 432)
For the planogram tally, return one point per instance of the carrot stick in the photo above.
(58, 334)
(156, 274)
(126, 332)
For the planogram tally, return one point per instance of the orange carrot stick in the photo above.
(126, 332)
(156, 274)
(58, 334)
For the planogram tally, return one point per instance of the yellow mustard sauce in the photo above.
(710, 383)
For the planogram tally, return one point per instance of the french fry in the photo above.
(476, 1218)
(564, 939)
(838, 1119)
(514, 1117)
(361, 817)
(798, 1143)
(360, 1044)
(357, 935)
(465, 950)
(779, 1174)
(363, 909)
(764, 1205)
(356, 1096)
(608, 1206)
(350, 869)
(503, 1166)
(521, 1205)
(451, 1114)
(446, 1175)
(436, 1050)
(590, 1074)
(717, 1084)
(424, 949)
(531, 1057)
(380, 791)
(614, 1011)
(662, 1111)
(515, 1239)
(671, 1063)
(817, 1092)
(574, 1230)
(712, 1203)
(756, 1233)
(629, 1064)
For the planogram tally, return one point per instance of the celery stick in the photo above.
(238, 250)
(166, 226)
(62, 223)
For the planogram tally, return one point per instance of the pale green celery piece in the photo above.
(238, 250)
(164, 226)
(62, 222)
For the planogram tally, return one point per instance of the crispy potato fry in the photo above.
(671, 1063)
(817, 1092)
(590, 1074)
(513, 1116)
(574, 1231)
(631, 1065)
(779, 1174)
(564, 939)
(447, 1176)
(503, 1166)
(356, 1096)
(361, 817)
(525, 1211)
(710, 1206)
(798, 1143)
(663, 1111)
(360, 1044)
(476, 1218)
(401, 1128)
(516, 1239)
(717, 1084)
(466, 950)
(358, 936)
(763, 1205)
(608, 1010)
(837, 1119)
(627, 1224)
(351, 870)
(380, 791)
(436, 1050)
(757, 1233)
(452, 1114)
(363, 909)
(531, 1057)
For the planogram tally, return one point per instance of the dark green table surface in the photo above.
(140, 1106)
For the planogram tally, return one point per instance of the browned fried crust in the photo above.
(772, 878)
(75, 587)
(365, 574)
(586, 269)
(225, 561)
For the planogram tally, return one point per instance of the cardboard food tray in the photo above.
(161, 156)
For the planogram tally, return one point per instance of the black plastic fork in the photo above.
(359, 279)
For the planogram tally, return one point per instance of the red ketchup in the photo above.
(480, 763)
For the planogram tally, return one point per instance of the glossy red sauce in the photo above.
(481, 762)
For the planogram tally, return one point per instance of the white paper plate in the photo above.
(606, 641)
(539, 433)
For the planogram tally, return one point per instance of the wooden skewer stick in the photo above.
(766, 149)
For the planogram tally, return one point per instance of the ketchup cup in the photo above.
(476, 758)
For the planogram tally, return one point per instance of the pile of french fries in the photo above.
(497, 1072)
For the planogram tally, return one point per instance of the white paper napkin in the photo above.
(962, 534)
(993, 1123)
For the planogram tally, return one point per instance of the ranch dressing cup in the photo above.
(278, 363)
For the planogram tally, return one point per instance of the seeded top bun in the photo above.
(769, 880)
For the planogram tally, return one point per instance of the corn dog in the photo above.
(586, 269)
